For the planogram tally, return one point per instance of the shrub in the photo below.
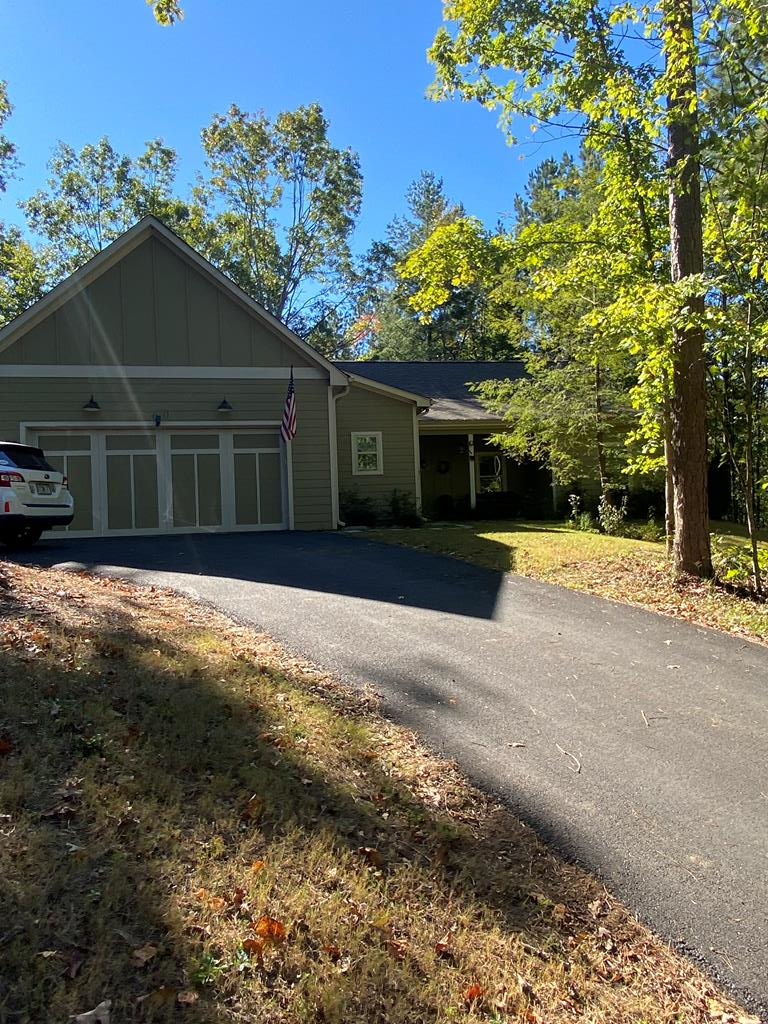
(401, 510)
(356, 510)
(732, 563)
(612, 517)
(580, 519)
(651, 529)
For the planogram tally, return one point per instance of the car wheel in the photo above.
(21, 538)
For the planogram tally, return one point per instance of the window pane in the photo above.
(130, 442)
(257, 440)
(367, 443)
(367, 463)
(194, 441)
(65, 442)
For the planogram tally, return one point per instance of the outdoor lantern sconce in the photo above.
(91, 405)
(224, 406)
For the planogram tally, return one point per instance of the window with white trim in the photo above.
(367, 455)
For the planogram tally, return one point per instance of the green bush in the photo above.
(579, 518)
(612, 517)
(401, 510)
(356, 510)
(732, 563)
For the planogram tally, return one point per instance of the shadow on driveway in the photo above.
(326, 563)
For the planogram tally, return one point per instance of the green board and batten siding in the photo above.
(152, 308)
(363, 410)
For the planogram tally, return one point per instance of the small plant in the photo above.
(579, 518)
(732, 563)
(208, 969)
(357, 510)
(402, 510)
(611, 517)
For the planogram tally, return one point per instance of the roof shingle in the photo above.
(444, 382)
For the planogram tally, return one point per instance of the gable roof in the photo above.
(445, 382)
(124, 244)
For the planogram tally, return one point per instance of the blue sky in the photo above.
(83, 68)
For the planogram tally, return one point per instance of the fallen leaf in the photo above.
(46, 954)
(370, 855)
(159, 998)
(269, 929)
(237, 897)
(396, 948)
(98, 1015)
(5, 746)
(333, 952)
(254, 947)
(143, 955)
(187, 998)
(258, 865)
(472, 993)
(253, 810)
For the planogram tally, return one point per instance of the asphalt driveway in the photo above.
(644, 740)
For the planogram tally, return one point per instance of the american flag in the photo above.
(288, 426)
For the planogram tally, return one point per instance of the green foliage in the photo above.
(421, 294)
(95, 195)
(612, 517)
(281, 204)
(23, 274)
(357, 510)
(401, 510)
(167, 12)
(7, 148)
(733, 562)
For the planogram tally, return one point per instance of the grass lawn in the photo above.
(197, 827)
(632, 571)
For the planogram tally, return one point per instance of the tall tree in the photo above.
(95, 195)
(282, 203)
(593, 68)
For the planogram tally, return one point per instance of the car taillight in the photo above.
(65, 483)
(9, 479)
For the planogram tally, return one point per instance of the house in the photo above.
(462, 472)
(157, 385)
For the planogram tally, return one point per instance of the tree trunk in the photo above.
(749, 466)
(688, 406)
(602, 467)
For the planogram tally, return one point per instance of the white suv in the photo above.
(33, 495)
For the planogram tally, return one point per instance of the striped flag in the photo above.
(288, 425)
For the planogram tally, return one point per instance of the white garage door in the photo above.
(140, 482)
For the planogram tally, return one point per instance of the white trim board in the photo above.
(120, 372)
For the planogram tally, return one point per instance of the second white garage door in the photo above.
(141, 482)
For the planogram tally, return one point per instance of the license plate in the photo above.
(41, 488)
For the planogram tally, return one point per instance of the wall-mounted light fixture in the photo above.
(91, 405)
(224, 406)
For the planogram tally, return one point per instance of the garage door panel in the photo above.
(146, 516)
(119, 496)
(270, 489)
(246, 489)
(183, 482)
(209, 490)
(79, 472)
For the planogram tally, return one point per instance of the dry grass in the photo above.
(633, 571)
(197, 827)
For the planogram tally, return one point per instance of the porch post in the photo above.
(472, 481)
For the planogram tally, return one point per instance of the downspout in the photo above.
(334, 453)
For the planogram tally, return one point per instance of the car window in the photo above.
(23, 457)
